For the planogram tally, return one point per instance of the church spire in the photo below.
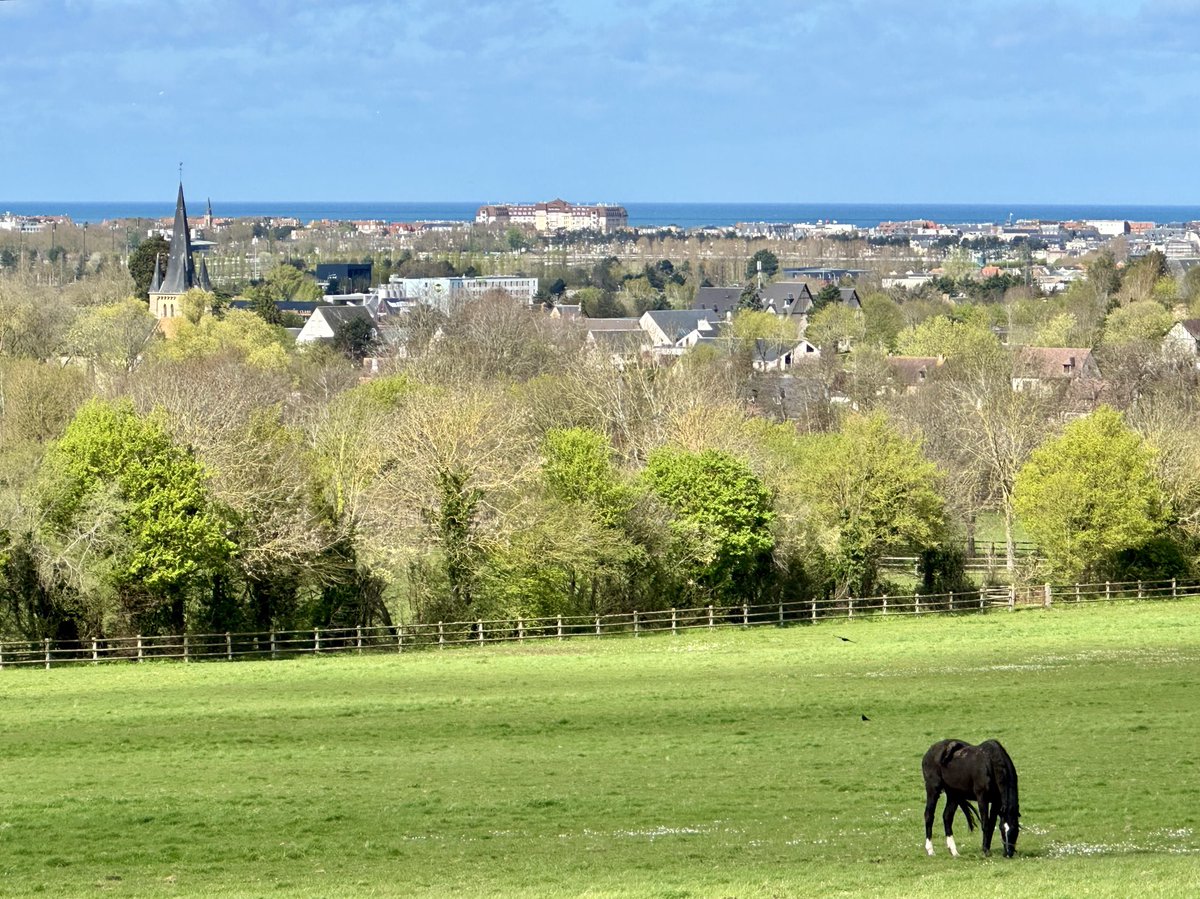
(181, 270)
(156, 284)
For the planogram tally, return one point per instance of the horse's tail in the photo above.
(1006, 776)
(969, 813)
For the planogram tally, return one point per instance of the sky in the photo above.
(938, 101)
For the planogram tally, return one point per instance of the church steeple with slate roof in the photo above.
(181, 274)
(181, 270)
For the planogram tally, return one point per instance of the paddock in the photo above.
(711, 762)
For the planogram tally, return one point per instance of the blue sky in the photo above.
(773, 100)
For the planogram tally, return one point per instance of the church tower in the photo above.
(181, 274)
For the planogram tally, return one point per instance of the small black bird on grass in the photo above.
(843, 639)
(864, 717)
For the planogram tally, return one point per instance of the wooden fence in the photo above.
(404, 638)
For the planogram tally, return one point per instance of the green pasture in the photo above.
(711, 764)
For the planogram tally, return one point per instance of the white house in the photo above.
(1182, 342)
(325, 321)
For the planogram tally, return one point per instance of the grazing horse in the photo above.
(982, 773)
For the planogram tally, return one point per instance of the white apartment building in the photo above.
(442, 292)
(557, 215)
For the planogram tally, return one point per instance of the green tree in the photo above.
(836, 328)
(263, 303)
(872, 492)
(164, 534)
(828, 295)
(770, 265)
(722, 517)
(1142, 321)
(239, 333)
(571, 552)
(286, 282)
(940, 336)
(356, 338)
(1189, 290)
(195, 303)
(762, 336)
(750, 299)
(597, 303)
(114, 337)
(1103, 276)
(1089, 494)
(959, 264)
(142, 261)
(1141, 276)
(578, 468)
(1060, 330)
(515, 238)
(883, 320)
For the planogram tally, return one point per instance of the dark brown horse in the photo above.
(965, 773)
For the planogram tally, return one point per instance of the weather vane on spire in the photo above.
(181, 173)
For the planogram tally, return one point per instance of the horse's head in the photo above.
(1010, 829)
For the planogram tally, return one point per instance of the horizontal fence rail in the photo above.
(408, 637)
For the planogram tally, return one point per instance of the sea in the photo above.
(644, 214)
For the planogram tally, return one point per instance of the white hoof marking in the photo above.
(950, 845)
(929, 847)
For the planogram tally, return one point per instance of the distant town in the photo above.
(229, 425)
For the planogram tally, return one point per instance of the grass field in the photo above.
(726, 764)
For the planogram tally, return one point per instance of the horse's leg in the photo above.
(948, 823)
(987, 817)
(931, 801)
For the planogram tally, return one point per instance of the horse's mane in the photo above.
(1006, 776)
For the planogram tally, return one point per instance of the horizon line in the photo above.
(328, 200)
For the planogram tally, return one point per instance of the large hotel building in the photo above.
(557, 215)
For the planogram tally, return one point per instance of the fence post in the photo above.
(560, 627)
(400, 638)
(1107, 591)
(358, 637)
(745, 615)
(2, 655)
(851, 603)
(673, 622)
(46, 647)
(520, 630)
(316, 640)
(1174, 595)
(710, 615)
(96, 652)
(1077, 597)
(781, 613)
(1012, 598)
(982, 599)
(636, 628)
(228, 647)
(139, 646)
(273, 651)
(479, 623)
(185, 649)
(597, 625)
(1048, 599)
(814, 610)
(441, 635)
(1140, 594)
(885, 604)
(916, 602)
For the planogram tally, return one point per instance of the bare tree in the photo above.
(981, 431)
